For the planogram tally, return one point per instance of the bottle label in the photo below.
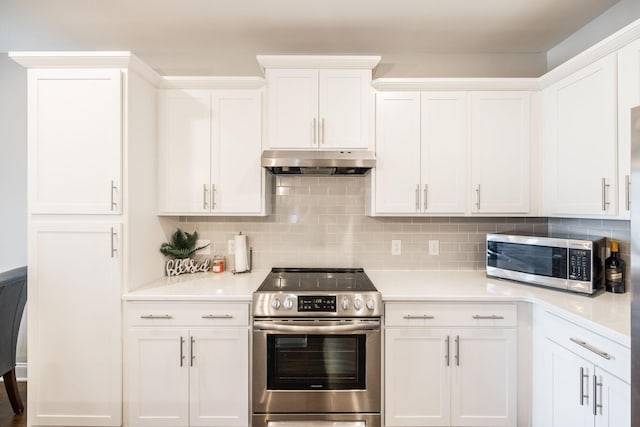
(614, 276)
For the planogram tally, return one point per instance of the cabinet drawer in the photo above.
(451, 314)
(187, 314)
(601, 351)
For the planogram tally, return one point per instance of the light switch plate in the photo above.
(231, 247)
(434, 247)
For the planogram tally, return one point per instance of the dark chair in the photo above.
(13, 296)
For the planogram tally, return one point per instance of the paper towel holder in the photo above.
(250, 263)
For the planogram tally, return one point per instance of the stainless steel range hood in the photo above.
(318, 163)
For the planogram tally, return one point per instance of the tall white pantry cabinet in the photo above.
(91, 117)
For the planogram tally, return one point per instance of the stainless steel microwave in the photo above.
(573, 263)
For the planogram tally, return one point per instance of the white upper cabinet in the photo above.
(75, 141)
(421, 153)
(319, 102)
(628, 97)
(397, 172)
(444, 152)
(580, 147)
(210, 147)
(319, 109)
(500, 152)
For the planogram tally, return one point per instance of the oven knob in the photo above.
(357, 304)
(345, 304)
(371, 304)
(288, 303)
(275, 304)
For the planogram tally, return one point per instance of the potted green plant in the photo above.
(179, 252)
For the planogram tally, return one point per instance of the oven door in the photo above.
(321, 365)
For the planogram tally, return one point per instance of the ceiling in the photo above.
(222, 37)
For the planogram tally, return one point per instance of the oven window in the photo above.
(316, 362)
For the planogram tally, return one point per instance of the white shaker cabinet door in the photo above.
(184, 158)
(74, 343)
(158, 377)
(580, 126)
(628, 97)
(500, 152)
(397, 172)
(219, 377)
(345, 99)
(613, 401)
(484, 384)
(292, 108)
(417, 377)
(236, 173)
(75, 141)
(568, 385)
(444, 152)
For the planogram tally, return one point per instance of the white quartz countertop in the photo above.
(605, 313)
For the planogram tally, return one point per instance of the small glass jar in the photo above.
(217, 264)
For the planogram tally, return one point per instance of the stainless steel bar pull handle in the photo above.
(447, 353)
(597, 401)
(417, 197)
(604, 194)
(217, 316)
(492, 317)
(156, 316)
(193, 340)
(425, 197)
(457, 356)
(213, 196)
(112, 239)
(322, 134)
(478, 196)
(423, 317)
(583, 374)
(181, 352)
(314, 131)
(591, 348)
(205, 198)
(627, 192)
(114, 204)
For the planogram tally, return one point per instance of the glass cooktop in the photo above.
(317, 279)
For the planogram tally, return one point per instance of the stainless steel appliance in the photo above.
(573, 263)
(318, 163)
(316, 349)
(634, 284)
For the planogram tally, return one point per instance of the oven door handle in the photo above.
(267, 326)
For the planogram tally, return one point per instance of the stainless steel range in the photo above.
(316, 349)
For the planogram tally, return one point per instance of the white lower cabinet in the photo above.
(188, 376)
(585, 378)
(450, 376)
(74, 316)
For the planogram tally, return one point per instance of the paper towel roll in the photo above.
(241, 263)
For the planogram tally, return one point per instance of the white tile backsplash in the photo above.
(320, 222)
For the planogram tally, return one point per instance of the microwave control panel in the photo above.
(580, 265)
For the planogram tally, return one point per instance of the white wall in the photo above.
(13, 174)
(613, 19)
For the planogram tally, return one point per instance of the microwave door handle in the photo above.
(267, 326)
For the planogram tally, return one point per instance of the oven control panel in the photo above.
(365, 304)
(316, 303)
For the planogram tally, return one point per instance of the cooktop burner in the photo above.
(317, 279)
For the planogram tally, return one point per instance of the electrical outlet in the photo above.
(434, 247)
(231, 247)
(203, 251)
(396, 247)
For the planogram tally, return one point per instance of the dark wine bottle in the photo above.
(614, 271)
